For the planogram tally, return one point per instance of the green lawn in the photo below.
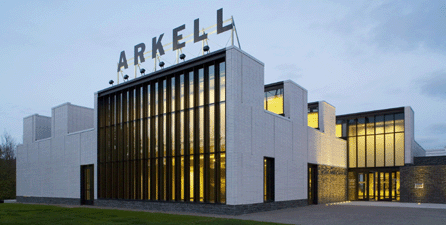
(45, 214)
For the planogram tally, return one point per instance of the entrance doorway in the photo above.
(377, 185)
(312, 184)
(87, 188)
(268, 179)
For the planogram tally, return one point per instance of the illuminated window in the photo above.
(399, 122)
(164, 137)
(273, 99)
(374, 140)
(313, 115)
(352, 152)
(339, 130)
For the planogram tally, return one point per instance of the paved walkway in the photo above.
(363, 213)
(398, 204)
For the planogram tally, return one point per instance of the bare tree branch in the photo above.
(7, 147)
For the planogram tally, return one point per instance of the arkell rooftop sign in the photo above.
(157, 46)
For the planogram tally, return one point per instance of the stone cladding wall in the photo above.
(430, 160)
(332, 184)
(433, 180)
(174, 206)
(47, 200)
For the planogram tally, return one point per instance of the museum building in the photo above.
(206, 135)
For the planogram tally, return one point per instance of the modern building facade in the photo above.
(207, 135)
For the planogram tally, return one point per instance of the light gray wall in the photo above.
(69, 118)
(408, 135)
(51, 167)
(43, 127)
(80, 118)
(253, 133)
(324, 148)
(36, 127)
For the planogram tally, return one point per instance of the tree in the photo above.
(7, 147)
(7, 167)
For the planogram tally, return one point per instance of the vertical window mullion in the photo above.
(187, 122)
(196, 137)
(177, 150)
(206, 136)
(132, 142)
(160, 140)
(152, 142)
(119, 145)
(144, 142)
(169, 137)
(137, 158)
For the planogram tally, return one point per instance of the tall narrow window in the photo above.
(222, 81)
(191, 178)
(352, 152)
(200, 87)
(339, 128)
(268, 179)
(211, 84)
(370, 150)
(379, 150)
(399, 149)
(313, 115)
(191, 89)
(182, 96)
(361, 151)
(222, 177)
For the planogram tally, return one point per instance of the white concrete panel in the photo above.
(87, 144)
(79, 118)
(253, 133)
(51, 167)
(326, 150)
(44, 149)
(42, 127)
(57, 148)
(328, 118)
(59, 120)
(28, 127)
(408, 135)
(72, 147)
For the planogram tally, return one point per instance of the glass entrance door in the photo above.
(372, 186)
(384, 186)
(378, 186)
(362, 186)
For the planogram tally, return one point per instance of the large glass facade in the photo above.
(373, 140)
(164, 139)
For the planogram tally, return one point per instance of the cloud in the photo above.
(289, 71)
(396, 25)
(406, 25)
(438, 128)
(433, 85)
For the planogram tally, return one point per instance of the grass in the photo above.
(47, 214)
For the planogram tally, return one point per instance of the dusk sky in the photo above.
(356, 55)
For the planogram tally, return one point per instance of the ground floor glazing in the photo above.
(374, 184)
